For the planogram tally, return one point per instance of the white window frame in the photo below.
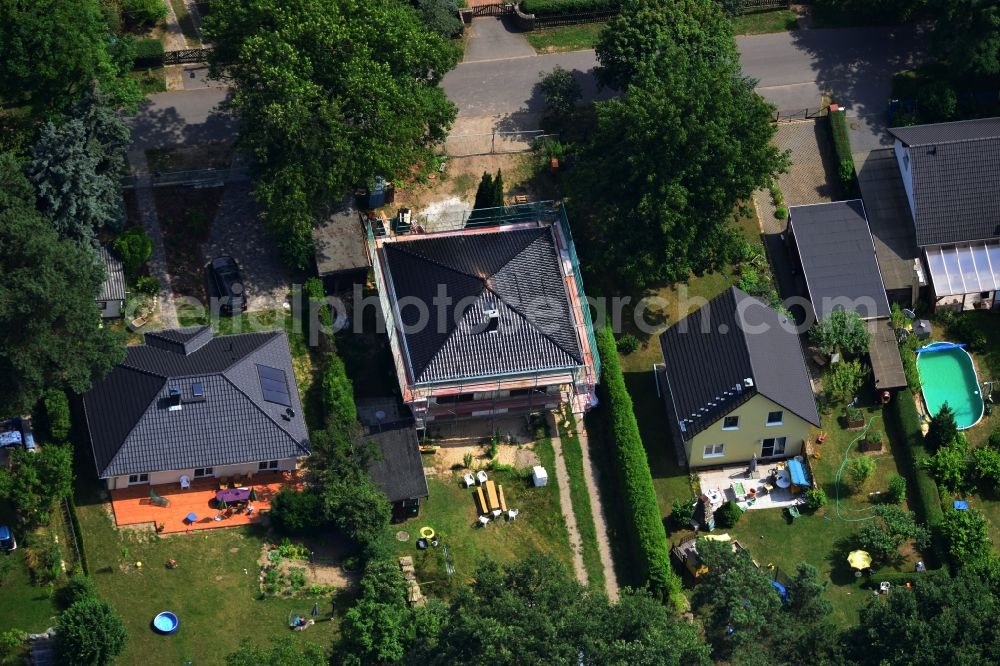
(205, 472)
(774, 446)
(731, 416)
(771, 424)
(714, 451)
(139, 479)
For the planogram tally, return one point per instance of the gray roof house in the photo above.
(186, 402)
(951, 173)
(735, 383)
(111, 298)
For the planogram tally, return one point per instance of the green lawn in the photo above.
(22, 605)
(573, 456)
(152, 80)
(450, 511)
(216, 602)
(761, 22)
(566, 38)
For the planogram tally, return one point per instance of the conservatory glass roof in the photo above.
(965, 268)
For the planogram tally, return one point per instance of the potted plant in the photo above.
(873, 441)
(160, 527)
(855, 418)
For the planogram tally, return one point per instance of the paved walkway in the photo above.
(173, 36)
(495, 38)
(139, 168)
(566, 502)
(590, 473)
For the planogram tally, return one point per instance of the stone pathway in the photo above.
(139, 168)
(173, 37)
(566, 502)
(590, 473)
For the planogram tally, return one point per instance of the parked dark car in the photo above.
(225, 283)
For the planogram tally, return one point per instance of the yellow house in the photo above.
(735, 383)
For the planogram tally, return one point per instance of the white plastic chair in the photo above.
(481, 476)
(469, 480)
(185, 482)
(484, 521)
(512, 514)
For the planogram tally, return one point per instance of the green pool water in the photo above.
(948, 376)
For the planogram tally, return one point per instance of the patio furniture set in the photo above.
(489, 498)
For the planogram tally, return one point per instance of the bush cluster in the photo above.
(57, 416)
(557, 7)
(649, 536)
(903, 415)
(728, 514)
(148, 53)
(842, 149)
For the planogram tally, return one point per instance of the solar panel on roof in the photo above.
(274, 385)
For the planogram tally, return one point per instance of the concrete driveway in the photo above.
(182, 117)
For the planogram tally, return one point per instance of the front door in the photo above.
(773, 446)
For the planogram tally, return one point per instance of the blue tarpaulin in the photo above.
(798, 473)
(781, 590)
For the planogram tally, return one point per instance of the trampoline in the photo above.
(165, 622)
(948, 375)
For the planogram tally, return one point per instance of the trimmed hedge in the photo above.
(646, 524)
(559, 7)
(842, 149)
(148, 53)
(907, 423)
(78, 533)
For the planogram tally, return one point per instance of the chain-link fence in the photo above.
(493, 143)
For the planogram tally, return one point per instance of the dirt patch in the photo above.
(210, 155)
(317, 564)
(186, 215)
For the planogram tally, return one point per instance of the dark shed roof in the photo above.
(514, 272)
(729, 350)
(400, 472)
(956, 171)
(133, 430)
(113, 287)
(838, 259)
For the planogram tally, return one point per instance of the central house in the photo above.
(487, 320)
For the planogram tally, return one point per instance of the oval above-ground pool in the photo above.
(165, 622)
(948, 375)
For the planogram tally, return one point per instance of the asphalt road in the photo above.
(793, 70)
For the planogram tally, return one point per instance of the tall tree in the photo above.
(331, 93)
(671, 159)
(48, 317)
(942, 428)
(77, 167)
(379, 628)
(53, 50)
(967, 35)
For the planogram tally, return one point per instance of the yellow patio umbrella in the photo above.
(859, 559)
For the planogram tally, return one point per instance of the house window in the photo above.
(715, 451)
(265, 465)
(462, 397)
(774, 446)
(102, 304)
(203, 471)
(138, 478)
(731, 423)
(775, 418)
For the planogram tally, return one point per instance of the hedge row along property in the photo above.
(648, 535)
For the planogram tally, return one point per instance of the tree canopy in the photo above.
(34, 481)
(331, 94)
(842, 330)
(670, 160)
(48, 317)
(91, 633)
(967, 35)
(282, 652)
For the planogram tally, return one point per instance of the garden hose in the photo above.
(836, 481)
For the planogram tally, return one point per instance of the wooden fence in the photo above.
(493, 9)
(185, 56)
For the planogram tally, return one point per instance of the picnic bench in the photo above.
(491, 496)
(481, 500)
(503, 500)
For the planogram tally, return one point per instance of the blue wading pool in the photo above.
(948, 375)
(166, 622)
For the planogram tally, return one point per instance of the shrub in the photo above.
(994, 441)
(950, 464)
(144, 13)
(135, 247)
(554, 7)
(682, 511)
(781, 212)
(467, 461)
(647, 532)
(942, 429)
(854, 414)
(967, 535)
(441, 16)
(147, 285)
(843, 330)
(897, 489)
(909, 358)
(628, 343)
(57, 417)
(90, 633)
(844, 380)
(904, 418)
(986, 462)
(842, 148)
(314, 310)
(815, 498)
(899, 320)
(561, 92)
(78, 587)
(728, 514)
(148, 53)
(859, 469)
(294, 512)
(965, 329)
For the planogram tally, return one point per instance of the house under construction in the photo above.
(487, 317)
